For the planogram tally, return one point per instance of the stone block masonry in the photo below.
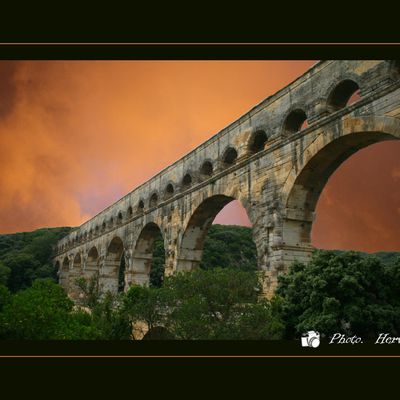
(275, 160)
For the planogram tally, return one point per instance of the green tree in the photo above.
(341, 292)
(157, 263)
(4, 274)
(106, 321)
(27, 256)
(229, 246)
(146, 304)
(214, 304)
(5, 297)
(40, 312)
(222, 303)
(90, 289)
(22, 266)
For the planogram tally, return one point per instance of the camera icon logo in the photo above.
(310, 339)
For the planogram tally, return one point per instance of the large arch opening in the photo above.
(77, 264)
(148, 261)
(228, 243)
(114, 263)
(92, 263)
(303, 197)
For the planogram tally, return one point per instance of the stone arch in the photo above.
(92, 263)
(190, 248)
(119, 218)
(206, 169)
(153, 200)
(169, 190)
(143, 253)
(187, 180)
(257, 141)
(110, 271)
(140, 207)
(229, 156)
(129, 212)
(307, 179)
(340, 95)
(77, 263)
(295, 121)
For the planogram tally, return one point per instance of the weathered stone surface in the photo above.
(268, 160)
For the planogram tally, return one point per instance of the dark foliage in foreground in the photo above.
(345, 292)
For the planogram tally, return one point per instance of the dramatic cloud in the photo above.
(76, 136)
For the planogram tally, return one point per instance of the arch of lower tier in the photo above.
(198, 222)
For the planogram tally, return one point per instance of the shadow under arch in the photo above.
(92, 263)
(142, 255)
(302, 189)
(192, 242)
(110, 273)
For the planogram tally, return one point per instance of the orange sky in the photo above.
(76, 136)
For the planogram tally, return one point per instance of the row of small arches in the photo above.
(344, 94)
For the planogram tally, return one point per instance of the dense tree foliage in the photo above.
(344, 292)
(44, 311)
(229, 246)
(27, 256)
(337, 291)
(101, 315)
(40, 312)
(206, 304)
(5, 297)
(157, 263)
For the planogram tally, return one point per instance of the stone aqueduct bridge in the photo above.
(275, 160)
